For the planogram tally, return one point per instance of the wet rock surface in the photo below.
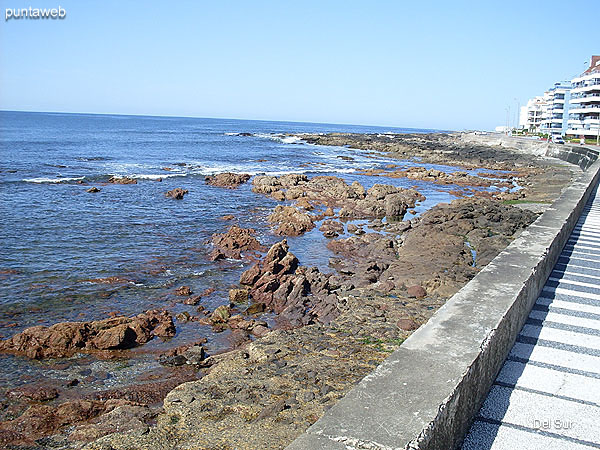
(227, 179)
(291, 221)
(177, 193)
(65, 339)
(122, 180)
(235, 241)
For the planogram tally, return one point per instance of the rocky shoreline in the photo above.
(329, 330)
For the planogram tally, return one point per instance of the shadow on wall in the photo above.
(583, 157)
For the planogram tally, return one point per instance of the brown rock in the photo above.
(228, 180)
(416, 291)
(67, 338)
(183, 291)
(176, 193)
(304, 204)
(122, 180)
(260, 330)
(238, 295)
(407, 324)
(93, 190)
(121, 419)
(117, 337)
(228, 217)
(192, 300)
(255, 308)
(38, 392)
(235, 241)
(220, 315)
(292, 222)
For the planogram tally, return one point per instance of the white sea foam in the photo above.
(51, 180)
(291, 140)
(286, 139)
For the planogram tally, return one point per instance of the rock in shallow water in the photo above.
(227, 180)
(66, 338)
(176, 193)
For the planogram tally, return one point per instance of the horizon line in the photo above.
(222, 118)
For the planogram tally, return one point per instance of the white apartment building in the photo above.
(530, 116)
(584, 114)
(555, 114)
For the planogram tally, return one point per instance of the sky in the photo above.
(449, 65)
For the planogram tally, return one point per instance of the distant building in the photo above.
(584, 114)
(530, 117)
(555, 114)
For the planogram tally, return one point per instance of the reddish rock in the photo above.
(407, 324)
(298, 294)
(121, 419)
(44, 420)
(260, 331)
(291, 221)
(67, 338)
(176, 193)
(228, 217)
(38, 392)
(227, 180)
(93, 190)
(416, 291)
(235, 241)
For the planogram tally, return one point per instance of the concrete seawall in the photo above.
(581, 156)
(424, 396)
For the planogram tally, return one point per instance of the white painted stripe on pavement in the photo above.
(555, 356)
(561, 336)
(583, 259)
(575, 283)
(565, 291)
(579, 274)
(576, 266)
(565, 319)
(550, 381)
(581, 307)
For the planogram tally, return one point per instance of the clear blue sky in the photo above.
(429, 64)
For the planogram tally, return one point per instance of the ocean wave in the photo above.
(291, 140)
(284, 138)
(51, 180)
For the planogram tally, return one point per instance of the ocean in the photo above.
(59, 242)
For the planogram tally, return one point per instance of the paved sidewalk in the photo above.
(547, 395)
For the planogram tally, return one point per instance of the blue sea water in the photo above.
(56, 238)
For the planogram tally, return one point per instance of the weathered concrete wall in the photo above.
(425, 395)
(581, 156)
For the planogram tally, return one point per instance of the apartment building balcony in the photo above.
(587, 88)
(585, 109)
